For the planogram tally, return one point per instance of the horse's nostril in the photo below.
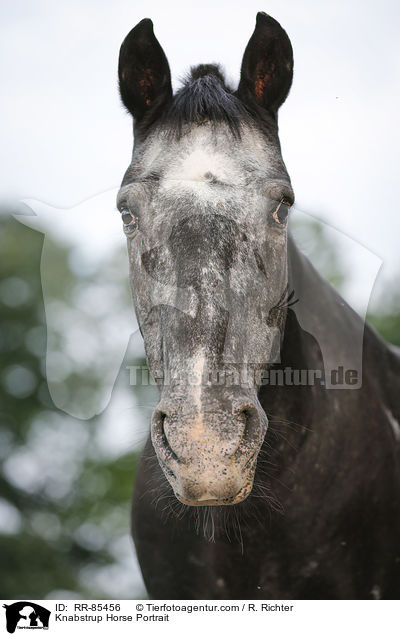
(247, 414)
(159, 419)
(165, 441)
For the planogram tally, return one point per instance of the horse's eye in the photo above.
(126, 217)
(281, 212)
(129, 220)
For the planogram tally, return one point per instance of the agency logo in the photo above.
(26, 615)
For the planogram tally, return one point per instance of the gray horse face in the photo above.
(205, 216)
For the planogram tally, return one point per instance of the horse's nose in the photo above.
(208, 454)
(159, 437)
(180, 435)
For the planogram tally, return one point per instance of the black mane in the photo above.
(205, 97)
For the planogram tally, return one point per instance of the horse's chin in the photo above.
(209, 496)
(241, 496)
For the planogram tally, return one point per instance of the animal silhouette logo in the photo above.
(26, 615)
(106, 347)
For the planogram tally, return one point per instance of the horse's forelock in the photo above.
(205, 97)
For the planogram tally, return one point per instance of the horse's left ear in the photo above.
(267, 66)
(143, 71)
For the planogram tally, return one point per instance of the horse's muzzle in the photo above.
(209, 455)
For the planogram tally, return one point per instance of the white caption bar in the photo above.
(175, 617)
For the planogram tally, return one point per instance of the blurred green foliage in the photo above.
(313, 238)
(64, 502)
(387, 321)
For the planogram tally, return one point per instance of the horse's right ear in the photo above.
(143, 71)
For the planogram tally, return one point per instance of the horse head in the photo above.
(204, 204)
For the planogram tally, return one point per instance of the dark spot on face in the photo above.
(156, 262)
(202, 241)
(260, 263)
(211, 178)
(149, 260)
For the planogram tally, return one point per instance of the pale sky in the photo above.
(66, 137)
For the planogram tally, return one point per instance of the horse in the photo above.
(269, 471)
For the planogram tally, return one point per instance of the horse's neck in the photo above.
(322, 317)
(324, 337)
(321, 334)
(322, 325)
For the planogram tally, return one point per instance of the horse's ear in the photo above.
(267, 66)
(143, 72)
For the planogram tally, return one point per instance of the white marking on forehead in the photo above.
(187, 163)
(200, 162)
(200, 156)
